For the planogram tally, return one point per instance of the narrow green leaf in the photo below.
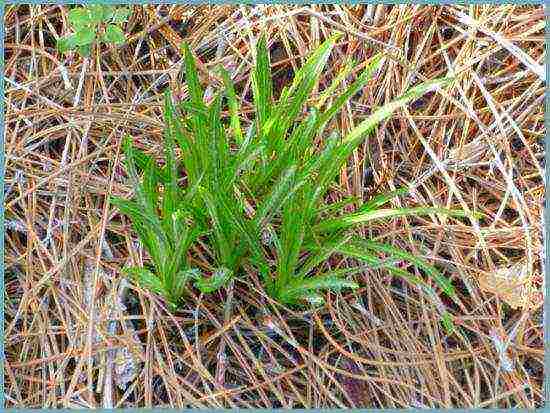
(443, 282)
(142, 160)
(294, 225)
(328, 248)
(299, 289)
(374, 262)
(359, 83)
(150, 185)
(108, 12)
(262, 87)
(66, 43)
(233, 107)
(218, 279)
(366, 126)
(447, 322)
(293, 99)
(326, 282)
(183, 278)
(172, 193)
(145, 279)
(337, 206)
(223, 245)
(84, 50)
(326, 94)
(371, 215)
(382, 199)
(192, 79)
(273, 201)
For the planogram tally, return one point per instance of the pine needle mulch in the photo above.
(78, 335)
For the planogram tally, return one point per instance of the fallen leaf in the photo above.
(512, 284)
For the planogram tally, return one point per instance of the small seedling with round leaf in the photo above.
(94, 22)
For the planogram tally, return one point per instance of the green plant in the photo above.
(164, 227)
(308, 231)
(92, 22)
(257, 198)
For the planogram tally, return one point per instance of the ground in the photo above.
(77, 334)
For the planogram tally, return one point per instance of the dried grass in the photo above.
(77, 336)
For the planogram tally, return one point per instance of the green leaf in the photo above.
(182, 279)
(171, 198)
(336, 206)
(143, 216)
(273, 201)
(323, 253)
(80, 18)
(326, 94)
(84, 36)
(361, 80)
(233, 107)
(447, 322)
(443, 282)
(220, 231)
(374, 262)
(325, 282)
(194, 88)
(301, 289)
(108, 12)
(293, 98)
(295, 215)
(366, 126)
(96, 12)
(208, 285)
(180, 247)
(365, 216)
(143, 160)
(114, 34)
(145, 279)
(121, 15)
(262, 88)
(382, 199)
(84, 50)
(66, 43)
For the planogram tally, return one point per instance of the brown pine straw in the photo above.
(77, 335)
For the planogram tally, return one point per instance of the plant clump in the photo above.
(255, 199)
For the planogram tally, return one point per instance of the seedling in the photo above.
(91, 23)
(164, 227)
(292, 178)
(257, 197)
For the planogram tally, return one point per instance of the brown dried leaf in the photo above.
(512, 284)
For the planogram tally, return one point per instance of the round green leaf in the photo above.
(62, 45)
(97, 12)
(108, 12)
(79, 18)
(121, 15)
(85, 50)
(65, 43)
(114, 34)
(84, 37)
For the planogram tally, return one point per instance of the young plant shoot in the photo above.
(240, 199)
